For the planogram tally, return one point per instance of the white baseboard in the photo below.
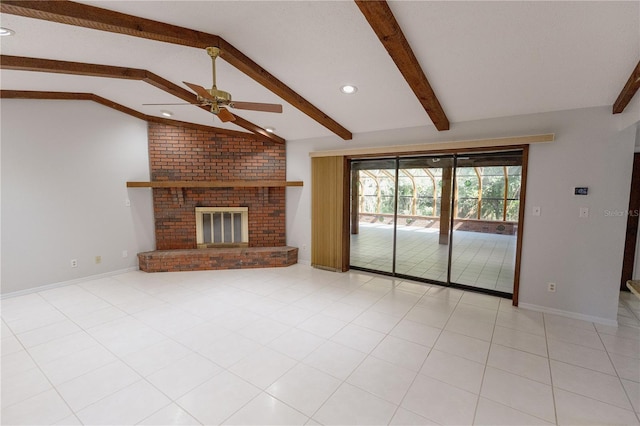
(568, 314)
(65, 283)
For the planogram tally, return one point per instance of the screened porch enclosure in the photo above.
(451, 219)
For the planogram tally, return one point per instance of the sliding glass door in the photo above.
(373, 204)
(424, 209)
(449, 219)
(487, 210)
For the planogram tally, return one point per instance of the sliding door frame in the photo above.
(453, 153)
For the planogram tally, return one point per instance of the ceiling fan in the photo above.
(220, 100)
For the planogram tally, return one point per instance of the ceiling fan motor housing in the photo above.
(220, 96)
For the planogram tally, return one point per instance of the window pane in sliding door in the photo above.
(372, 214)
(422, 233)
(486, 207)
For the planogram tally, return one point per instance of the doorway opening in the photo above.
(451, 219)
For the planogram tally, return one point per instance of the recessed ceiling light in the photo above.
(270, 129)
(348, 89)
(6, 32)
(166, 113)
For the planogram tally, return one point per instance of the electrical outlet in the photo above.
(127, 202)
(551, 287)
(74, 263)
(98, 259)
(304, 247)
(125, 253)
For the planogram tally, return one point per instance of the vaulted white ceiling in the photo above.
(483, 59)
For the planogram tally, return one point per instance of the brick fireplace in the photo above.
(190, 154)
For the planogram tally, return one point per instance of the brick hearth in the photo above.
(217, 258)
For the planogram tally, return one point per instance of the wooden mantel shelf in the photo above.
(214, 184)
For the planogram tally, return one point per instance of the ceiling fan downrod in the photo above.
(214, 52)
(221, 97)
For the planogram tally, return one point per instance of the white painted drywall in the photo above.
(582, 256)
(64, 168)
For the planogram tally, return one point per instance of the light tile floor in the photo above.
(300, 346)
(478, 259)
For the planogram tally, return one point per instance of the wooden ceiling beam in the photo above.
(78, 68)
(169, 87)
(628, 91)
(80, 96)
(118, 107)
(384, 24)
(67, 12)
(30, 94)
(80, 15)
(69, 96)
(21, 63)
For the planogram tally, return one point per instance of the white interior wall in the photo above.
(64, 168)
(582, 256)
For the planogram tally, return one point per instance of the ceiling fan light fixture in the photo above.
(166, 113)
(348, 89)
(6, 32)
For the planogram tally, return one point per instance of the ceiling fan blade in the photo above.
(256, 106)
(224, 115)
(201, 91)
(182, 103)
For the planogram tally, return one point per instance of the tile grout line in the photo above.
(224, 369)
(633, 409)
(360, 363)
(427, 357)
(298, 362)
(227, 369)
(118, 357)
(369, 354)
(171, 337)
(553, 388)
(516, 374)
(142, 377)
(53, 387)
(486, 363)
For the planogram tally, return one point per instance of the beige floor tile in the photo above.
(519, 393)
(574, 409)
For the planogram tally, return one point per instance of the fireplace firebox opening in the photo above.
(222, 227)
